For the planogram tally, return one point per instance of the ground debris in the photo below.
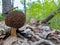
(31, 35)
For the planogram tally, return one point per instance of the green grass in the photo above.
(1, 17)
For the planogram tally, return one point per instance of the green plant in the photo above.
(39, 11)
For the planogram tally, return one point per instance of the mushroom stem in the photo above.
(13, 31)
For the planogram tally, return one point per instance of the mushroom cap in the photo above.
(15, 19)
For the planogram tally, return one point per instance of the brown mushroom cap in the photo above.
(15, 19)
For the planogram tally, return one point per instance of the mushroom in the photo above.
(15, 19)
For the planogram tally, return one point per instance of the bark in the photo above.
(6, 6)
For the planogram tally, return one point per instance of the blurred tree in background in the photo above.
(6, 6)
(40, 9)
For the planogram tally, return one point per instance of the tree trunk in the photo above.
(25, 7)
(6, 6)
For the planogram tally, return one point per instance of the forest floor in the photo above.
(31, 34)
